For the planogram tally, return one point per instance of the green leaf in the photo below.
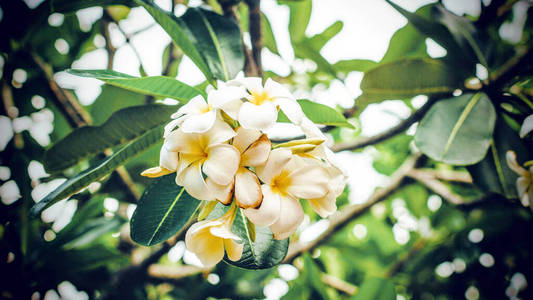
(123, 126)
(300, 14)
(160, 86)
(320, 40)
(376, 289)
(164, 208)
(66, 6)
(262, 253)
(269, 40)
(178, 31)
(457, 130)
(314, 276)
(218, 39)
(408, 78)
(359, 65)
(95, 172)
(492, 174)
(320, 114)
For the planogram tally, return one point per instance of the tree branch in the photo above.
(11, 112)
(404, 125)
(349, 213)
(436, 186)
(254, 23)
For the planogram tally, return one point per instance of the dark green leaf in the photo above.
(66, 6)
(164, 208)
(376, 289)
(265, 252)
(160, 86)
(218, 39)
(178, 31)
(320, 114)
(458, 130)
(408, 78)
(95, 172)
(492, 174)
(123, 126)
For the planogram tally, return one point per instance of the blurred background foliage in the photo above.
(428, 233)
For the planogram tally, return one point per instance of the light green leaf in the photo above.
(300, 14)
(263, 252)
(178, 31)
(123, 126)
(97, 171)
(160, 86)
(458, 130)
(492, 174)
(320, 40)
(320, 114)
(359, 65)
(217, 39)
(66, 6)
(269, 40)
(408, 78)
(376, 289)
(164, 208)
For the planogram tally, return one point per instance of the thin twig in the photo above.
(436, 186)
(11, 112)
(349, 213)
(404, 125)
(338, 284)
(447, 175)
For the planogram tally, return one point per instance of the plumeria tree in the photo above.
(242, 186)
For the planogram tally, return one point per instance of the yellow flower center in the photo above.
(281, 183)
(260, 98)
(206, 109)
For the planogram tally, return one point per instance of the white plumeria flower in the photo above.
(198, 115)
(524, 183)
(286, 179)
(254, 148)
(261, 110)
(209, 239)
(527, 126)
(206, 153)
(168, 163)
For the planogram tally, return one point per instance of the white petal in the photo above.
(192, 180)
(220, 132)
(258, 117)
(247, 189)
(168, 159)
(268, 212)
(179, 141)
(199, 123)
(324, 206)
(223, 193)
(245, 138)
(221, 163)
(291, 216)
(513, 164)
(172, 125)
(195, 106)
(275, 90)
(233, 249)
(253, 84)
(228, 99)
(223, 231)
(308, 182)
(310, 129)
(522, 183)
(212, 253)
(274, 164)
(527, 126)
(291, 108)
(257, 154)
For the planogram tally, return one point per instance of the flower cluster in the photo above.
(219, 151)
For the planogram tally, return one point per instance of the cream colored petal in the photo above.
(232, 108)
(221, 163)
(195, 106)
(247, 189)
(222, 231)
(192, 180)
(245, 138)
(527, 126)
(268, 212)
(522, 184)
(155, 172)
(291, 216)
(257, 154)
(513, 164)
(172, 125)
(179, 141)
(185, 160)
(324, 206)
(233, 249)
(275, 90)
(199, 123)
(308, 182)
(220, 132)
(227, 99)
(260, 117)
(213, 253)
(310, 129)
(198, 236)
(274, 164)
(168, 159)
(291, 109)
(222, 193)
